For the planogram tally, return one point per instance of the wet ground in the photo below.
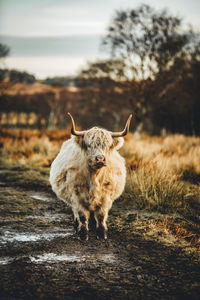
(42, 258)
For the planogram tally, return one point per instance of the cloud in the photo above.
(59, 18)
(66, 17)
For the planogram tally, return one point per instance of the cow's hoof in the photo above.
(83, 233)
(101, 233)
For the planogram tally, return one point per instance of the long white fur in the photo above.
(74, 181)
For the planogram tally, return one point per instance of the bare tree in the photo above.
(152, 45)
(148, 41)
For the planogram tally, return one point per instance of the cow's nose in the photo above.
(100, 159)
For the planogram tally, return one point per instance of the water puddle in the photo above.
(77, 257)
(64, 257)
(5, 260)
(52, 258)
(11, 236)
(39, 196)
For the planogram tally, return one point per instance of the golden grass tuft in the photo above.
(155, 188)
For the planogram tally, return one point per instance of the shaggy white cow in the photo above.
(89, 174)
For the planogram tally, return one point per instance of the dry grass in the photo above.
(31, 147)
(169, 231)
(168, 227)
(163, 173)
(152, 187)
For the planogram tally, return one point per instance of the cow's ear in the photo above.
(117, 143)
(80, 141)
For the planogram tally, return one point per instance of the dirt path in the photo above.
(41, 257)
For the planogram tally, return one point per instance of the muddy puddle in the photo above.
(5, 260)
(13, 236)
(40, 196)
(77, 257)
(63, 257)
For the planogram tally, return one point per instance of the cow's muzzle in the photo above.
(100, 161)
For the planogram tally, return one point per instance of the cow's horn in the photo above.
(126, 129)
(73, 130)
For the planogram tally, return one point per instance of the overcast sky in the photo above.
(71, 19)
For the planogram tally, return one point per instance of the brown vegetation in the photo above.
(31, 147)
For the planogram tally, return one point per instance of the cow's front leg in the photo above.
(101, 217)
(76, 224)
(102, 228)
(76, 218)
(83, 231)
(81, 217)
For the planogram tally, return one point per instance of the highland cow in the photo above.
(89, 174)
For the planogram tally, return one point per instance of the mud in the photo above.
(42, 258)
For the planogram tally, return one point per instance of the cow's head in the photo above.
(99, 143)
